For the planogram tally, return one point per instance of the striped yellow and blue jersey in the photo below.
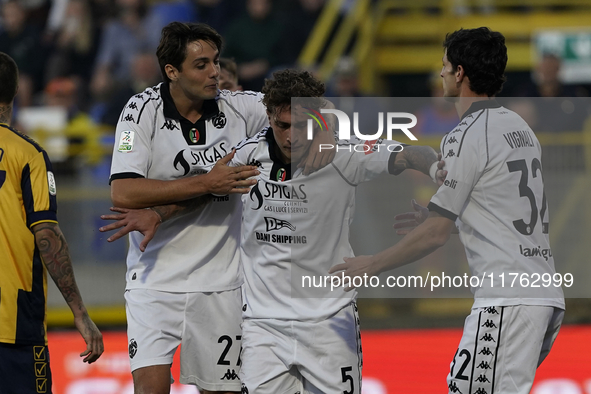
(27, 198)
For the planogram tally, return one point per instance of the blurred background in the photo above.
(81, 60)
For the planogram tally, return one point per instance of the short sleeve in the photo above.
(132, 151)
(465, 161)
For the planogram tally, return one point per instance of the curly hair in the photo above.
(174, 39)
(483, 55)
(288, 84)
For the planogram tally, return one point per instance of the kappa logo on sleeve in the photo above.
(126, 141)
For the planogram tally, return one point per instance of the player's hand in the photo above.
(224, 179)
(412, 219)
(146, 221)
(317, 159)
(441, 174)
(354, 267)
(92, 336)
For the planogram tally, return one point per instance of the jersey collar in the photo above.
(210, 107)
(478, 105)
(280, 171)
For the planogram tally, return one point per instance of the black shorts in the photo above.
(24, 369)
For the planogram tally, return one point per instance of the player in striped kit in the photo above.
(494, 194)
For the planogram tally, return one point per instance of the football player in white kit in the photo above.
(295, 338)
(173, 143)
(494, 194)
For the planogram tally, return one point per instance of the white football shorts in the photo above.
(289, 357)
(207, 325)
(501, 347)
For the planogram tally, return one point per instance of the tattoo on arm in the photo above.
(170, 211)
(56, 256)
(418, 158)
(5, 111)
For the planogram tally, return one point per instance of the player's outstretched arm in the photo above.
(222, 179)
(54, 251)
(425, 239)
(147, 221)
(410, 220)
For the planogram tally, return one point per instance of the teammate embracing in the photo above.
(295, 338)
(494, 194)
(173, 144)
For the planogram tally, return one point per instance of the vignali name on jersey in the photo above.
(519, 139)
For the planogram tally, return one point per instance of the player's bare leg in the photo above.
(154, 379)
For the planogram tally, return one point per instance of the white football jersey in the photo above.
(297, 228)
(494, 188)
(198, 251)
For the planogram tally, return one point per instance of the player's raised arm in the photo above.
(55, 254)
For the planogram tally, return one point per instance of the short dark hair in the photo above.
(175, 38)
(8, 79)
(483, 55)
(230, 66)
(292, 83)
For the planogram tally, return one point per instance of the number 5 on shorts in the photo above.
(348, 378)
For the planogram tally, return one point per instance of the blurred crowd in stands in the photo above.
(92, 55)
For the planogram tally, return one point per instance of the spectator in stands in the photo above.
(252, 41)
(121, 40)
(229, 75)
(546, 80)
(162, 12)
(439, 115)
(561, 113)
(75, 44)
(298, 19)
(145, 73)
(219, 14)
(348, 98)
(21, 41)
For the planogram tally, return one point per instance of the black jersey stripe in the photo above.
(486, 137)
(125, 175)
(27, 190)
(497, 351)
(442, 211)
(466, 132)
(30, 328)
(358, 341)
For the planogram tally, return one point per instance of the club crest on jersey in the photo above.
(194, 135)
(219, 121)
(126, 141)
(132, 348)
(281, 175)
